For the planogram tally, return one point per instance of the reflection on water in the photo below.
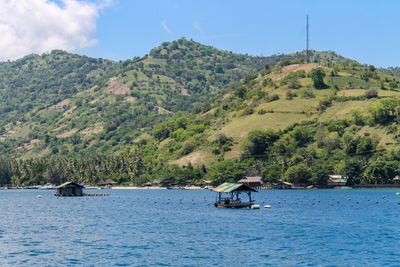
(175, 228)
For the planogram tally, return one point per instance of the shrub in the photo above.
(371, 93)
(274, 97)
(188, 147)
(307, 93)
(317, 76)
(262, 111)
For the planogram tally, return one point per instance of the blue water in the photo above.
(182, 228)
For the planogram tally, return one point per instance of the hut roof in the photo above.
(229, 187)
(107, 182)
(69, 183)
(255, 179)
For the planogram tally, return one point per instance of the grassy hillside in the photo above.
(68, 104)
(277, 124)
(188, 112)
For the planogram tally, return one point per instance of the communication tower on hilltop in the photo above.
(307, 43)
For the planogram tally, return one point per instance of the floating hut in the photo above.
(70, 189)
(232, 198)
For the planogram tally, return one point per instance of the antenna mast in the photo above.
(307, 50)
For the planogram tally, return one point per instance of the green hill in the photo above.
(278, 125)
(188, 112)
(67, 104)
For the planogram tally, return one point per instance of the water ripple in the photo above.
(181, 228)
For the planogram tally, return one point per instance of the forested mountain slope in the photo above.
(297, 122)
(188, 112)
(61, 103)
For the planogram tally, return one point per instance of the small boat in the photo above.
(30, 187)
(48, 187)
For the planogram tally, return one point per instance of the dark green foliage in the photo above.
(352, 170)
(381, 171)
(385, 111)
(259, 141)
(88, 170)
(188, 147)
(320, 174)
(299, 174)
(240, 91)
(227, 171)
(317, 76)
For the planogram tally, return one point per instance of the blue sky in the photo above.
(366, 31)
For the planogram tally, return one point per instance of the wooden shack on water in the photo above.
(70, 189)
(232, 198)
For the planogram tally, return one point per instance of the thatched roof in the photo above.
(107, 182)
(255, 179)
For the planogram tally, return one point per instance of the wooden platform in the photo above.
(95, 195)
(84, 195)
(232, 205)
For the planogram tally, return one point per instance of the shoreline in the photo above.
(155, 187)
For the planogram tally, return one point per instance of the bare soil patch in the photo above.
(69, 111)
(91, 143)
(94, 101)
(130, 99)
(294, 67)
(93, 130)
(44, 152)
(31, 144)
(61, 104)
(56, 129)
(193, 158)
(116, 88)
(184, 92)
(163, 111)
(67, 134)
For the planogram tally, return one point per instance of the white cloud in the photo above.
(37, 26)
(165, 27)
(196, 25)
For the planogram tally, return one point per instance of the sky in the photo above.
(364, 30)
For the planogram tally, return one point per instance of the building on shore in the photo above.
(254, 182)
(107, 183)
(283, 185)
(70, 189)
(337, 180)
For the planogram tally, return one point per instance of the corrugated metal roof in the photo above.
(68, 183)
(229, 187)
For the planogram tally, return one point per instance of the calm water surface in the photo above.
(182, 228)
